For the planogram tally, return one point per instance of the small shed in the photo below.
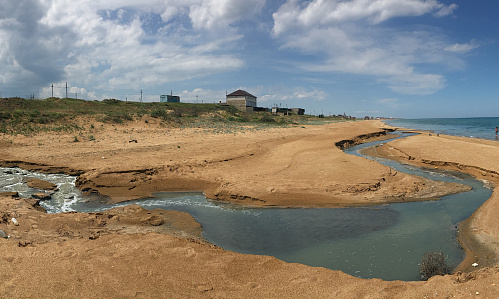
(169, 99)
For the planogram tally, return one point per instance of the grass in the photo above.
(30, 117)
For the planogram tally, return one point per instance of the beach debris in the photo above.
(3, 235)
(14, 220)
(475, 264)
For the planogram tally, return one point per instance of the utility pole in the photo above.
(52, 89)
(141, 95)
(66, 90)
(197, 100)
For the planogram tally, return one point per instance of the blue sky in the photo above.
(393, 58)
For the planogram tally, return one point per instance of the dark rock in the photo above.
(24, 244)
(41, 196)
(156, 220)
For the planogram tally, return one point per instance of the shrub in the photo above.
(117, 117)
(433, 263)
(160, 113)
(267, 119)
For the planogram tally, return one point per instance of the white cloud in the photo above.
(221, 13)
(462, 48)
(107, 45)
(295, 13)
(348, 37)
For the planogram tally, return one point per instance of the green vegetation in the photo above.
(29, 117)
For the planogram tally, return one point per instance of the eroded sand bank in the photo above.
(134, 254)
(294, 166)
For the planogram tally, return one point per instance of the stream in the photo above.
(385, 241)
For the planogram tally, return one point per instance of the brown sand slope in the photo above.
(295, 166)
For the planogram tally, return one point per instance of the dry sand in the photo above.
(130, 252)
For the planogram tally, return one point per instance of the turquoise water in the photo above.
(479, 127)
(372, 242)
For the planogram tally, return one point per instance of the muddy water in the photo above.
(377, 242)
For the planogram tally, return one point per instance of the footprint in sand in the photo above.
(190, 252)
(303, 279)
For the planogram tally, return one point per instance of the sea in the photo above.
(477, 127)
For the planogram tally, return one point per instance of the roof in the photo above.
(240, 92)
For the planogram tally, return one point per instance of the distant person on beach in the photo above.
(496, 130)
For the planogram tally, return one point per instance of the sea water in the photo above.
(479, 127)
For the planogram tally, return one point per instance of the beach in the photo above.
(135, 253)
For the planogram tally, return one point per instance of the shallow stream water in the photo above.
(385, 241)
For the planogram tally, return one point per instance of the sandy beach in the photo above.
(134, 253)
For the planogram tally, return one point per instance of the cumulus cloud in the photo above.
(295, 13)
(221, 13)
(350, 38)
(111, 44)
(31, 51)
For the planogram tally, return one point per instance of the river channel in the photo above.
(384, 242)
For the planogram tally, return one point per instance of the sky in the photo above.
(387, 58)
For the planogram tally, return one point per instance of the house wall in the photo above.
(250, 101)
(241, 102)
(237, 102)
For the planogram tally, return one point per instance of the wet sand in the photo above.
(133, 253)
